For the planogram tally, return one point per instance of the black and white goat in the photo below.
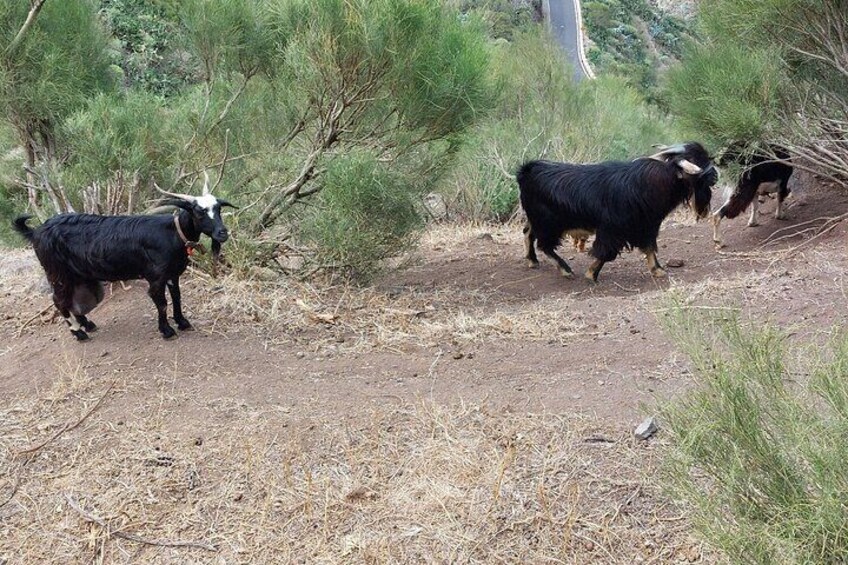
(764, 173)
(622, 203)
(79, 251)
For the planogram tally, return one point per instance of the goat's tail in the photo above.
(20, 225)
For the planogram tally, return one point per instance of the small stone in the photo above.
(198, 441)
(675, 263)
(300, 354)
(458, 355)
(646, 429)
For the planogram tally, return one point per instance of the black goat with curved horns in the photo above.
(78, 251)
(622, 203)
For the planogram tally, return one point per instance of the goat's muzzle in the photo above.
(221, 235)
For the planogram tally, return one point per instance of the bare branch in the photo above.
(132, 537)
(30, 19)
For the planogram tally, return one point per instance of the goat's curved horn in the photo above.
(205, 182)
(689, 167)
(187, 197)
(671, 150)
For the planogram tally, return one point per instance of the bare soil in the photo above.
(464, 408)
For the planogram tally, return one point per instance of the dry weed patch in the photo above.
(407, 483)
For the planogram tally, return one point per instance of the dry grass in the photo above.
(369, 317)
(154, 478)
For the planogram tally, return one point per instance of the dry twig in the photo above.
(30, 320)
(68, 427)
(132, 537)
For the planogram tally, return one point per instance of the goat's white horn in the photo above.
(174, 194)
(671, 150)
(205, 182)
(688, 167)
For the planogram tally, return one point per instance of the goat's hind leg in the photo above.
(530, 246)
(86, 297)
(564, 268)
(62, 300)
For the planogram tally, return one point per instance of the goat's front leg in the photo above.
(174, 288)
(755, 205)
(157, 294)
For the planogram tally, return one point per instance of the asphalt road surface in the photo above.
(565, 26)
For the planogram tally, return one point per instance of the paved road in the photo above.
(564, 19)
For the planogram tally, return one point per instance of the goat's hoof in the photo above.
(566, 273)
(80, 335)
(169, 333)
(659, 273)
(533, 264)
(718, 245)
(590, 276)
(90, 326)
(753, 224)
(185, 326)
(781, 217)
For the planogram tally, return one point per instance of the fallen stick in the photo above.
(67, 427)
(132, 537)
(28, 322)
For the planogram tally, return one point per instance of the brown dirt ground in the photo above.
(463, 339)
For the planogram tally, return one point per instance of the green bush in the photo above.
(759, 457)
(129, 133)
(727, 92)
(366, 212)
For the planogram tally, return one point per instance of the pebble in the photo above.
(646, 429)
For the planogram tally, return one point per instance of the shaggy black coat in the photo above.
(77, 251)
(622, 203)
(759, 169)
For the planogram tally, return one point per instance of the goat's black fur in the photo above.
(762, 170)
(77, 251)
(759, 168)
(623, 203)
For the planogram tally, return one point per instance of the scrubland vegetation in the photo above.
(336, 124)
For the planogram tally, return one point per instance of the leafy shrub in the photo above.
(758, 457)
(366, 213)
(727, 92)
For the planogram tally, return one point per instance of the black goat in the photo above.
(764, 173)
(78, 251)
(622, 203)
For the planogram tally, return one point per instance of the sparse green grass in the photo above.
(760, 447)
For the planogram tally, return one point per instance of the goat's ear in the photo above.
(224, 203)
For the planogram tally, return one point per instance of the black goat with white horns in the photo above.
(78, 251)
(623, 203)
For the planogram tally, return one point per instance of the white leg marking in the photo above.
(752, 221)
(72, 322)
(778, 214)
